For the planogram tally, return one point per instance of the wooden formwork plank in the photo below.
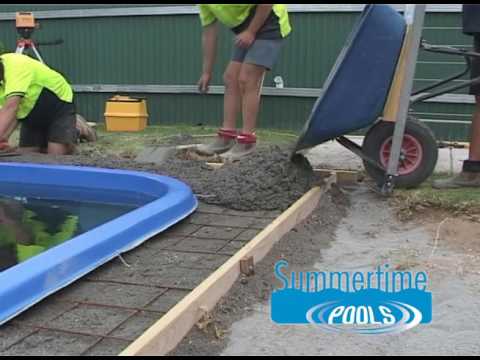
(167, 333)
(215, 165)
(186, 147)
(345, 177)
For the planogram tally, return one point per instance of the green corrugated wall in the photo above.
(165, 50)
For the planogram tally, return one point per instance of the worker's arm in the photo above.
(209, 46)
(8, 119)
(247, 37)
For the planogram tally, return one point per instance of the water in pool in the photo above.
(29, 225)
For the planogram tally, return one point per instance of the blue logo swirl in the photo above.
(319, 315)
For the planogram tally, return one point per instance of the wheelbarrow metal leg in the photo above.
(415, 15)
(357, 150)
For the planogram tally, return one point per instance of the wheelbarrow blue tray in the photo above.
(357, 88)
(154, 204)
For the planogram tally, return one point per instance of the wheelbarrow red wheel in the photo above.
(418, 157)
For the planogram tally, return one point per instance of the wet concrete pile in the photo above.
(267, 180)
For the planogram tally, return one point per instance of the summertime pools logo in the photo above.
(376, 302)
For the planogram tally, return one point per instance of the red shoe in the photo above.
(246, 145)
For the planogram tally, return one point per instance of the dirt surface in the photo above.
(180, 139)
(369, 235)
(267, 180)
(459, 233)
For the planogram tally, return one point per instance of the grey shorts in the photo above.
(262, 52)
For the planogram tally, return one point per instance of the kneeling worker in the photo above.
(41, 100)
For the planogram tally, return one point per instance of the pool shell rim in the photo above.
(179, 194)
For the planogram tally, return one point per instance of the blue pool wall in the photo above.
(169, 201)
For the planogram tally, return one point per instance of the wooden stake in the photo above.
(247, 266)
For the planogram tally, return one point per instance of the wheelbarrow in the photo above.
(370, 87)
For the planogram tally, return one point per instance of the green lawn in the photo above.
(465, 201)
(131, 143)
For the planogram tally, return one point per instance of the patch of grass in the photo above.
(129, 144)
(457, 201)
(125, 143)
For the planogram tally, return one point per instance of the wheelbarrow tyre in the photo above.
(418, 133)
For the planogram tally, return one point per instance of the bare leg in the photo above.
(250, 81)
(231, 107)
(475, 134)
(231, 100)
(60, 149)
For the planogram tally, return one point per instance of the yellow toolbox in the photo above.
(123, 113)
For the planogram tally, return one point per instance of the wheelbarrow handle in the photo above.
(447, 50)
(420, 95)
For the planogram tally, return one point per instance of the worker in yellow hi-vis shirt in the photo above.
(260, 31)
(41, 100)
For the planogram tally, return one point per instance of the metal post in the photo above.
(414, 17)
(20, 49)
(37, 53)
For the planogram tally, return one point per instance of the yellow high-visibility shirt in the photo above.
(27, 77)
(233, 15)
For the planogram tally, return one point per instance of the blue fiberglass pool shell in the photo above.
(357, 87)
(166, 202)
